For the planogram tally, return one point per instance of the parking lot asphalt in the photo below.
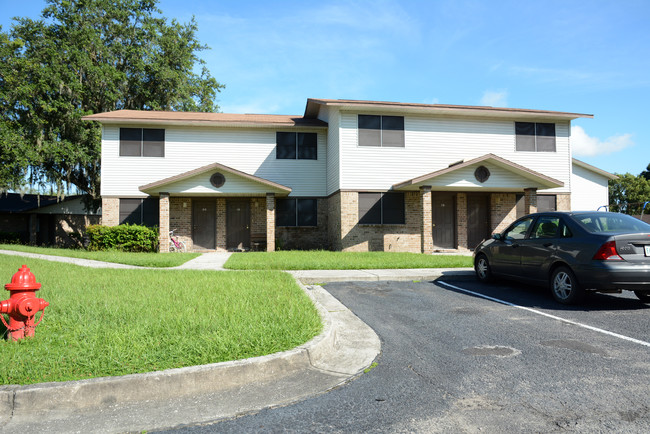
(460, 356)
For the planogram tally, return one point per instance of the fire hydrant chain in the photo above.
(22, 305)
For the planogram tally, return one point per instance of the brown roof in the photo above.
(313, 105)
(545, 181)
(199, 118)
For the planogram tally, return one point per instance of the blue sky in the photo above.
(576, 56)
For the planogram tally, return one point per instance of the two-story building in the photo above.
(347, 175)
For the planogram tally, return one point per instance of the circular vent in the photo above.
(481, 174)
(217, 180)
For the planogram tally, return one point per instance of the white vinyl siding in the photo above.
(187, 148)
(333, 117)
(589, 190)
(432, 143)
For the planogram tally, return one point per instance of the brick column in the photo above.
(164, 222)
(270, 222)
(426, 228)
(461, 212)
(530, 200)
(110, 211)
(221, 223)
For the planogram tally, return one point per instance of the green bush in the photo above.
(127, 238)
(9, 238)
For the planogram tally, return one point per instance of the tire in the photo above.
(483, 269)
(172, 247)
(644, 296)
(183, 248)
(565, 287)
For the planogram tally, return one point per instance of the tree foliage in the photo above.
(629, 193)
(84, 57)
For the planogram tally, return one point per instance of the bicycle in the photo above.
(176, 245)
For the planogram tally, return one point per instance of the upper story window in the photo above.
(381, 131)
(381, 208)
(296, 146)
(535, 137)
(142, 142)
(296, 212)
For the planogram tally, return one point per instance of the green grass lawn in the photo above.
(103, 322)
(139, 259)
(324, 260)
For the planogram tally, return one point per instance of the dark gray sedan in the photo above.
(572, 253)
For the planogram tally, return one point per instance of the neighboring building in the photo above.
(347, 175)
(44, 220)
(589, 187)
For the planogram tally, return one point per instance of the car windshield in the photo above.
(601, 222)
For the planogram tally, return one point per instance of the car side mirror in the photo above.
(497, 237)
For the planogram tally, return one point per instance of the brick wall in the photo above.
(426, 228)
(388, 238)
(334, 221)
(503, 210)
(180, 219)
(110, 211)
(221, 224)
(461, 220)
(306, 238)
(563, 202)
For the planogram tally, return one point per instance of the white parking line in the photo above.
(539, 312)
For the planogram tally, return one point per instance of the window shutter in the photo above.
(545, 137)
(307, 212)
(153, 142)
(307, 146)
(369, 208)
(393, 209)
(369, 130)
(130, 142)
(392, 128)
(285, 148)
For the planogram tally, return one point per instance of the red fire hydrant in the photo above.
(22, 305)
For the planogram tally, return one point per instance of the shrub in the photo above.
(127, 238)
(9, 238)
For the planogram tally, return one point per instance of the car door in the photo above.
(506, 255)
(537, 250)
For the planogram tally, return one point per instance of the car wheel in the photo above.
(643, 296)
(483, 270)
(565, 287)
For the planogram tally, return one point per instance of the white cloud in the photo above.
(587, 146)
(495, 98)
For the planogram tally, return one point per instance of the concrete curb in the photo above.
(424, 274)
(344, 348)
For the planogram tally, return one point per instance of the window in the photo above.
(546, 203)
(292, 146)
(381, 131)
(535, 137)
(518, 230)
(381, 209)
(142, 142)
(296, 212)
(546, 227)
(139, 211)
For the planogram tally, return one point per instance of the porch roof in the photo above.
(197, 182)
(504, 175)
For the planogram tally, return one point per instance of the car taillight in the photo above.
(607, 252)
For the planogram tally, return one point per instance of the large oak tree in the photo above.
(84, 57)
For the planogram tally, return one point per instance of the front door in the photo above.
(478, 219)
(238, 220)
(444, 221)
(204, 223)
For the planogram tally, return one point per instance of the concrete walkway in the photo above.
(201, 394)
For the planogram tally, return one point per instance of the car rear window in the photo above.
(601, 222)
